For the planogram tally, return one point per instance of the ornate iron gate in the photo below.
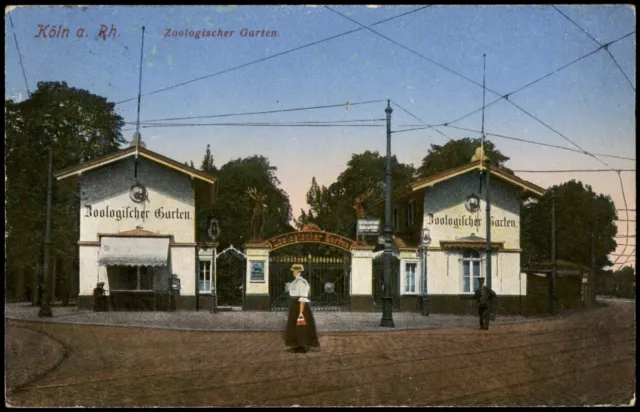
(230, 275)
(328, 278)
(378, 281)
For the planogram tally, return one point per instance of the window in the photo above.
(394, 220)
(204, 284)
(410, 213)
(136, 278)
(410, 278)
(470, 270)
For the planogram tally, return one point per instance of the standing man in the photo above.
(484, 296)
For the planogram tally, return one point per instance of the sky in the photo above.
(591, 102)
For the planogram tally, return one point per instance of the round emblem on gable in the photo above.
(472, 203)
(138, 193)
(106, 248)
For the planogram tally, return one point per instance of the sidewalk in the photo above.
(247, 321)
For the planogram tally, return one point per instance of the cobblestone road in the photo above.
(584, 359)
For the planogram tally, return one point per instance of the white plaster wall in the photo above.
(183, 264)
(447, 199)
(109, 186)
(89, 270)
(362, 272)
(257, 288)
(444, 272)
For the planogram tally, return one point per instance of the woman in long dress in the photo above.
(301, 327)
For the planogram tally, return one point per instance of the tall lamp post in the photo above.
(425, 240)
(387, 316)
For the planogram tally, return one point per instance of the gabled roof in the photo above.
(131, 151)
(451, 173)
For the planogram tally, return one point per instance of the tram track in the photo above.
(342, 364)
(397, 347)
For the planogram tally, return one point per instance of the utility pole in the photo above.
(552, 283)
(592, 281)
(45, 309)
(387, 316)
(487, 177)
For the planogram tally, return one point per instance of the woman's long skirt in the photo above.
(301, 336)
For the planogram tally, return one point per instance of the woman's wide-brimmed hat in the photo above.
(297, 267)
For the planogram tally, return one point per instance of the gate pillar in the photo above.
(361, 288)
(257, 277)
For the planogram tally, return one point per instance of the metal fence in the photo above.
(328, 279)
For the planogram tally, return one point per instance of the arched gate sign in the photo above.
(309, 235)
(327, 276)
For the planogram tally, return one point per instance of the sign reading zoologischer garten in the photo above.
(128, 212)
(368, 226)
(467, 220)
(310, 237)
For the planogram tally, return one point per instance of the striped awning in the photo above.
(133, 251)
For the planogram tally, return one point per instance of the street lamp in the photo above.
(387, 316)
(425, 240)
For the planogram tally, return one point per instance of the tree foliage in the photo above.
(458, 153)
(79, 126)
(578, 211)
(233, 206)
(332, 208)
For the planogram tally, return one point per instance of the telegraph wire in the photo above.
(624, 198)
(274, 55)
(506, 96)
(512, 138)
(420, 120)
(327, 106)
(574, 170)
(606, 47)
(19, 55)
(406, 48)
(575, 24)
(620, 68)
(257, 125)
(474, 82)
(630, 258)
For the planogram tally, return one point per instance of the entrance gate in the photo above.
(328, 279)
(378, 281)
(230, 275)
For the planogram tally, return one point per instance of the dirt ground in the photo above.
(587, 358)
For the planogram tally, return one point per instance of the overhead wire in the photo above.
(15, 38)
(606, 47)
(420, 120)
(156, 125)
(473, 81)
(574, 170)
(512, 138)
(295, 109)
(273, 55)
(624, 198)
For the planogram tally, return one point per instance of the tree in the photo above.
(458, 153)
(233, 206)
(80, 126)
(578, 211)
(207, 162)
(332, 208)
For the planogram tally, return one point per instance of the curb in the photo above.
(250, 330)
